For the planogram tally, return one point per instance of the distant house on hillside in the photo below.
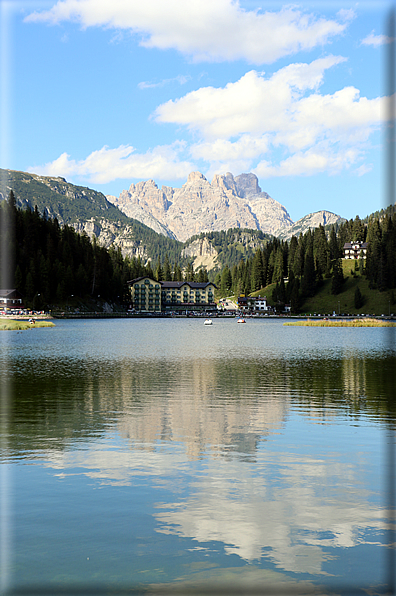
(355, 250)
(252, 304)
(10, 299)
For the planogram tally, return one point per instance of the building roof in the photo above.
(10, 294)
(359, 242)
(194, 285)
(133, 281)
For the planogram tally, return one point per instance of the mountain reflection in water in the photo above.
(264, 447)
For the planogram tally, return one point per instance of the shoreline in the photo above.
(23, 325)
(372, 322)
(296, 320)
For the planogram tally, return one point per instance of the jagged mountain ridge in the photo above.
(200, 205)
(89, 211)
(311, 221)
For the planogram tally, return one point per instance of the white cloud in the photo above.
(226, 156)
(203, 29)
(275, 126)
(254, 104)
(376, 40)
(363, 169)
(247, 147)
(181, 79)
(346, 14)
(106, 164)
(318, 159)
(256, 115)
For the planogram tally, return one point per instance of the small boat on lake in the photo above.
(208, 322)
(241, 320)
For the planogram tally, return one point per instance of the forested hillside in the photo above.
(300, 266)
(87, 210)
(48, 263)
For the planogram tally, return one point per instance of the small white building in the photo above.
(261, 304)
(355, 250)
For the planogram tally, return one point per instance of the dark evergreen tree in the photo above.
(358, 231)
(189, 274)
(278, 272)
(333, 245)
(159, 274)
(177, 275)
(226, 282)
(358, 300)
(308, 282)
(321, 252)
(257, 271)
(295, 296)
(167, 269)
(337, 279)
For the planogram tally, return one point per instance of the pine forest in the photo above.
(48, 263)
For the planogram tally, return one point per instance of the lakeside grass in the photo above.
(13, 325)
(353, 323)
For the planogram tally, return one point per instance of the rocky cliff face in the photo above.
(112, 234)
(201, 206)
(203, 253)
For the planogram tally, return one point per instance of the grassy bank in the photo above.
(12, 325)
(354, 323)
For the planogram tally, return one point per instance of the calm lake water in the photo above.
(163, 456)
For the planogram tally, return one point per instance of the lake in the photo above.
(157, 456)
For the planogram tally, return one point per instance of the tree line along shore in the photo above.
(53, 266)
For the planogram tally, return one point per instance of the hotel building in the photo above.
(149, 295)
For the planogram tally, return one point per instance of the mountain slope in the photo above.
(199, 205)
(88, 211)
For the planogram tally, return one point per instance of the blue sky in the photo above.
(110, 92)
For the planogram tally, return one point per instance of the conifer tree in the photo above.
(337, 277)
(358, 299)
(257, 271)
(189, 275)
(333, 245)
(226, 282)
(159, 274)
(278, 272)
(308, 282)
(177, 275)
(295, 296)
(167, 269)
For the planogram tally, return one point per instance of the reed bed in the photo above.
(13, 325)
(343, 323)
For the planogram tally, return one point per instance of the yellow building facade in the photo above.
(149, 295)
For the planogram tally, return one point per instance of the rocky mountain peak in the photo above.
(200, 206)
(225, 183)
(247, 184)
(194, 178)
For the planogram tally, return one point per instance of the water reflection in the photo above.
(220, 406)
(273, 457)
